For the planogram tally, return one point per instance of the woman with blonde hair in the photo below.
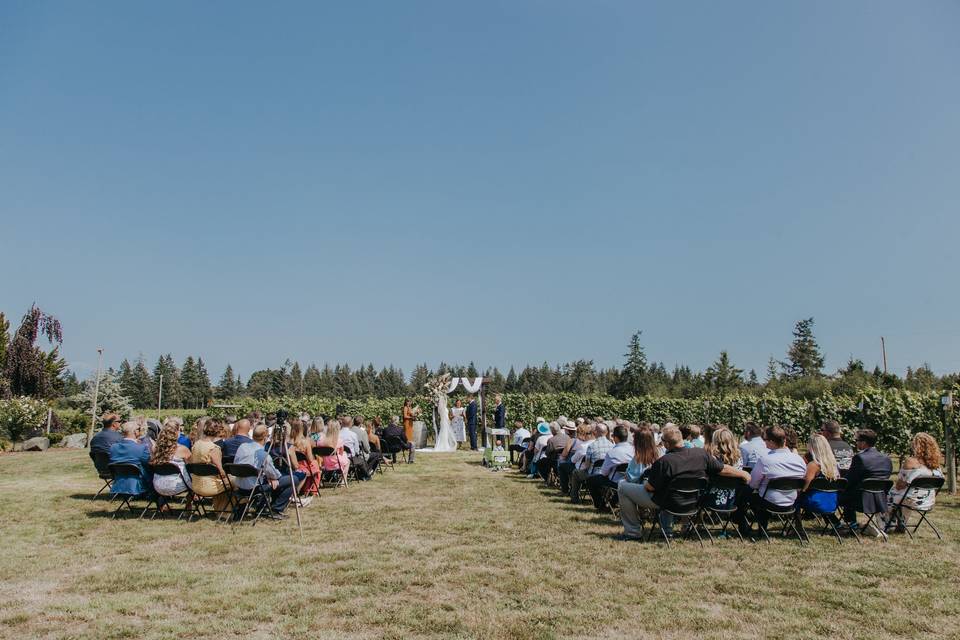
(205, 451)
(724, 447)
(339, 461)
(821, 463)
(303, 449)
(169, 451)
(925, 462)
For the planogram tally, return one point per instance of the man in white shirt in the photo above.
(779, 462)
(753, 446)
(349, 440)
(621, 453)
(519, 435)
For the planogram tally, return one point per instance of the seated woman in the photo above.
(206, 452)
(339, 461)
(644, 455)
(821, 463)
(725, 448)
(306, 463)
(169, 451)
(374, 428)
(924, 463)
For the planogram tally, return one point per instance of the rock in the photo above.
(74, 441)
(36, 444)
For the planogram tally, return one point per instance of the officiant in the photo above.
(472, 421)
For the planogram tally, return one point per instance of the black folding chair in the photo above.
(610, 496)
(928, 484)
(323, 452)
(169, 469)
(118, 471)
(684, 495)
(391, 446)
(721, 513)
(788, 515)
(827, 520)
(594, 469)
(879, 488)
(208, 470)
(101, 460)
(255, 500)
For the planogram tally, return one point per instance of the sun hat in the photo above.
(569, 426)
(543, 429)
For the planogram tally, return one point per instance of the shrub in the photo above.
(21, 415)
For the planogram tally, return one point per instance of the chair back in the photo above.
(124, 470)
(724, 482)
(526, 441)
(323, 452)
(301, 456)
(929, 482)
(683, 495)
(622, 467)
(748, 469)
(225, 460)
(595, 467)
(785, 484)
(101, 460)
(876, 485)
(391, 444)
(825, 485)
(166, 469)
(242, 470)
(203, 469)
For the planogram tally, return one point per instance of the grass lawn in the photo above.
(439, 549)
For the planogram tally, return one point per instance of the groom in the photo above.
(472, 421)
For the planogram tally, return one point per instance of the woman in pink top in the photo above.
(331, 438)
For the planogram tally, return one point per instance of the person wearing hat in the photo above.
(555, 446)
(543, 435)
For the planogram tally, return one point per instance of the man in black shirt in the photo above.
(393, 436)
(677, 462)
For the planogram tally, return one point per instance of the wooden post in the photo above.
(49, 418)
(947, 406)
(883, 347)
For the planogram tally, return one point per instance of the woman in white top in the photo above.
(457, 423)
(168, 450)
(924, 463)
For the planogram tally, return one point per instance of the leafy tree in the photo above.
(110, 396)
(921, 379)
(803, 357)
(4, 342)
(722, 376)
(633, 376)
(27, 368)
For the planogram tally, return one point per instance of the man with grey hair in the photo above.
(279, 485)
(130, 451)
(596, 452)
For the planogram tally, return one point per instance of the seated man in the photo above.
(596, 451)
(104, 439)
(753, 445)
(868, 464)
(371, 457)
(394, 435)
(621, 453)
(228, 448)
(278, 485)
(677, 462)
(842, 451)
(520, 433)
(779, 462)
(351, 443)
(129, 451)
(574, 455)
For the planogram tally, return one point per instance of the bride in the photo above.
(445, 438)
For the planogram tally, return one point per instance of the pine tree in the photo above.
(511, 384)
(312, 382)
(722, 376)
(125, 380)
(803, 357)
(633, 376)
(172, 397)
(328, 382)
(295, 382)
(226, 386)
(142, 391)
(421, 374)
(205, 388)
(190, 384)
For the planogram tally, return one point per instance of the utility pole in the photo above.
(883, 348)
(96, 395)
(947, 405)
(159, 396)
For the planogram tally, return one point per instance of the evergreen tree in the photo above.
(71, 386)
(205, 387)
(753, 381)
(295, 382)
(773, 370)
(722, 376)
(141, 391)
(511, 384)
(803, 357)
(421, 374)
(312, 382)
(172, 397)
(633, 376)
(110, 396)
(227, 387)
(125, 380)
(472, 372)
(328, 382)
(190, 384)
(579, 377)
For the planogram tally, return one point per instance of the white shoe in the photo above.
(305, 501)
(531, 476)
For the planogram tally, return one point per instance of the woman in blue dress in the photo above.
(821, 463)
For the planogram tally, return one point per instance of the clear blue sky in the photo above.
(504, 182)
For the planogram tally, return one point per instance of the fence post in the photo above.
(946, 403)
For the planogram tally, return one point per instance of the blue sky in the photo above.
(503, 182)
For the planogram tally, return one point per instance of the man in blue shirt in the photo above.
(241, 437)
(254, 454)
(130, 451)
(106, 437)
(621, 453)
(753, 447)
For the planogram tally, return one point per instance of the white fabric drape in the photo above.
(472, 386)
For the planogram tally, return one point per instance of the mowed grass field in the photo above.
(439, 549)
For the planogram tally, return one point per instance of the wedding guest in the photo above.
(792, 438)
(408, 416)
(206, 452)
(170, 451)
(129, 451)
(306, 462)
(228, 448)
(723, 446)
(821, 463)
(621, 453)
(868, 463)
(753, 446)
(280, 484)
(578, 476)
(573, 456)
(472, 422)
(339, 461)
(544, 433)
(779, 462)
(500, 413)
(374, 428)
(519, 434)
(106, 437)
(555, 445)
(372, 458)
(842, 450)
(394, 434)
(925, 462)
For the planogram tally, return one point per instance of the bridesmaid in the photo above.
(408, 420)
(457, 424)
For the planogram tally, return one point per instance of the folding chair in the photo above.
(119, 470)
(256, 498)
(721, 514)
(680, 492)
(208, 470)
(928, 484)
(594, 468)
(323, 452)
(170, 469)
(610, 496)
(391, 446)
(101, 460)
(787, 515)
(880, 488)
(827, 520)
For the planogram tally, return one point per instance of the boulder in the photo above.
(36, 444)
(74, 441)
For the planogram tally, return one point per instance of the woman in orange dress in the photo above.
(408, 420)
(303, 446)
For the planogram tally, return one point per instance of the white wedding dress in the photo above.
(445, 438)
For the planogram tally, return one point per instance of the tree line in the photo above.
(27, 369)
